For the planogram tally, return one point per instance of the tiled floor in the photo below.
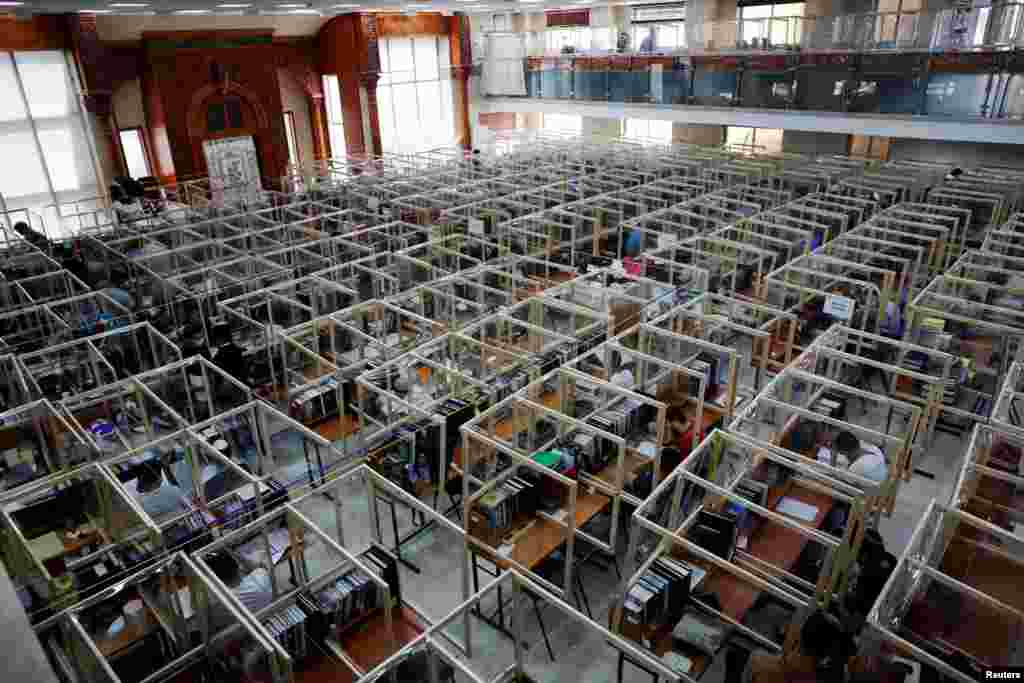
(580, 653)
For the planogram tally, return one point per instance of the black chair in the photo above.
(453, 487)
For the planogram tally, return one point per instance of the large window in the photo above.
(659, 27)
(563, 123)
(292, 137)
(771, 25)
(897, 21)
(414, 95)
(47, 155)
(754, 140)
(648, 131)
(335, 125)
(135, 157)
(577, 39)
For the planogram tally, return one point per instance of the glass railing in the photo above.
(761, 63)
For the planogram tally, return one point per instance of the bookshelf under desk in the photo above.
(772, 543)
(531, 548)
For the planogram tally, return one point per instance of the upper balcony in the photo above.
(950, 65)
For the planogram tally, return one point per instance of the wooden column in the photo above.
(461, 53)
(318, 121)
(101, 106)
(369, 82)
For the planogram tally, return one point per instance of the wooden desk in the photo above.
(131, 633)
(546, 536)
(632, 462)
(773, 543)
(370, 643)
(338, 428)
(322, 668)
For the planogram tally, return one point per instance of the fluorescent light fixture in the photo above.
(11, 4)
(95, 11)
(235, 5)
(192, 11)
(344, 6)
(291, 5)
(305, 10)
(127, 5)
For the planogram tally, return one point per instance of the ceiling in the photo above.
(277, 8)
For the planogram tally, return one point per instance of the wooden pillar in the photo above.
(318, 121)
(111, 157)
(461, 53)
(369, 83)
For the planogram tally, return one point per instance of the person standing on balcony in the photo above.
(647, 44)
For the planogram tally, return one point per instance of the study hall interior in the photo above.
(482, 341)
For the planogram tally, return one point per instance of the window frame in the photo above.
(89, 178)
(291, 137)
(143, 140)
(752, 146)
(388, 86)
(772, 14)
(332, 106)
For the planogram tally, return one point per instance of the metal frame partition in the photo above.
(719, 319)
(989, 477)
(657, 382)
(937, 566)
(799, 395)
(349, 507)
(388, 237)
(497, 469)
(710, 479)
(39, 442)
(316, 564)
(794, 298)
(724, 260)
(1006, 414)
(838, 216)
(412, 407)
(177, 602)
(949, 313)
(987, 266)
(559, 317)
(1005, 242)
(441, 656)
(785, 243)
(986, 209)
(909, 372)
(43, 555)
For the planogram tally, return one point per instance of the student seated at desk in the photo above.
(824, 657)
(156, 495)
(624, 377)
(859, 457)
(254, 590)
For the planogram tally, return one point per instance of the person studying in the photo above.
(858, 457)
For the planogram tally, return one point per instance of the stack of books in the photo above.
(500, 507)
(660, 595)
(347, 598)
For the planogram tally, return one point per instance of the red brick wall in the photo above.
(179, 88)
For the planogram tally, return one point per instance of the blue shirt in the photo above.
(634, 243)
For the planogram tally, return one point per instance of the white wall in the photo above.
(814, 144)
(128, 108)
(293, 98)
(131, 27)
(961, 153)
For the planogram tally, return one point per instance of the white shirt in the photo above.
(825, 456)
(623, 378)
(871, 463)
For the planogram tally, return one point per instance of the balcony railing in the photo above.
(768, 74)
